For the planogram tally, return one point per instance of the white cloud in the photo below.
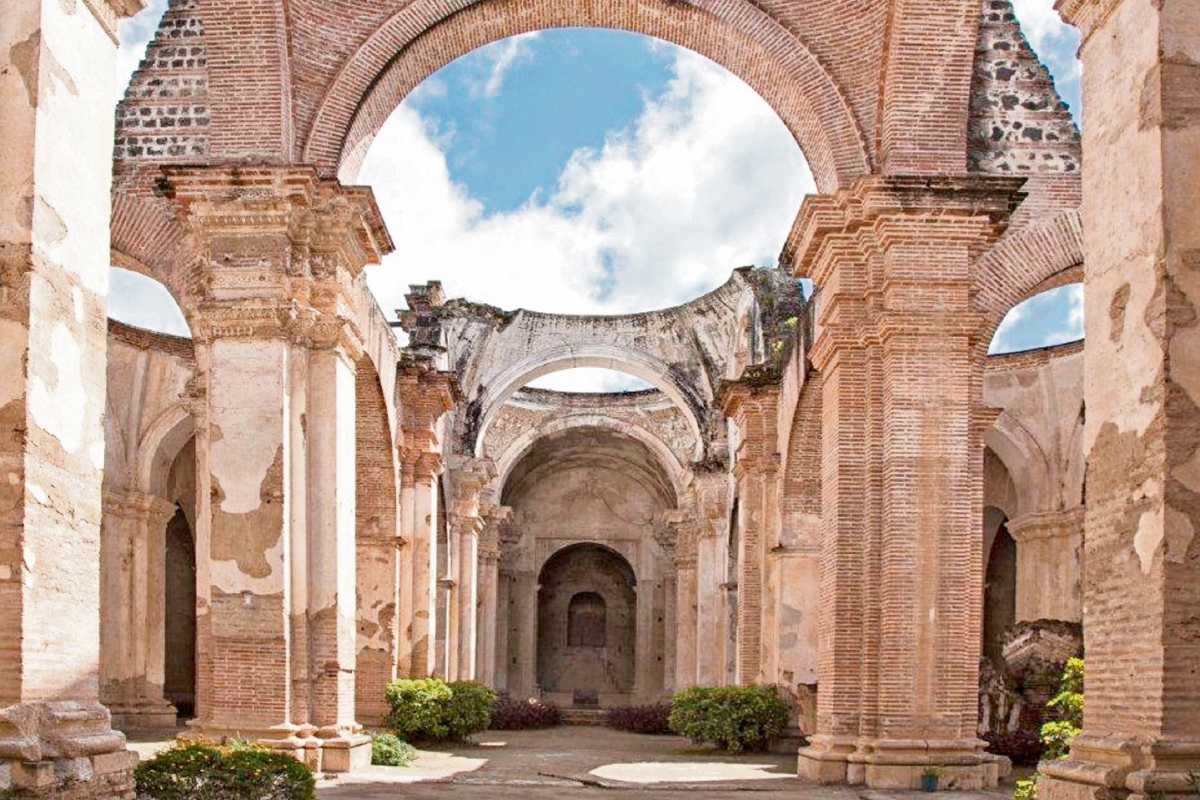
(135, 34)
(145, 303)
(500, 57)
(705, 180)
(592, 380)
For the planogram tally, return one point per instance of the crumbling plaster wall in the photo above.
(1038, 439)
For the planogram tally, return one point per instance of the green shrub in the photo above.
(1056, 735)
(388, 750)
(734, 718)
(1026, 789)
(417, 709)
(431, 710)
(469, 710)
(196, 771)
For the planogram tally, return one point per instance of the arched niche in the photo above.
(587, 623)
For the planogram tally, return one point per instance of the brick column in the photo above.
(754, 410)
(1049, 546)
(280, 254)
(489, 610)
(425, 396)
(902, 489)
(1141, 587)
(56, 133)
(133, 609)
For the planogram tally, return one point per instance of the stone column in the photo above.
(281, 253)
(56, 133)
(711, 535)
(902, 490)
(1141, 587)
(425, 396)
(468, 478)
(1049, 546)
(754, 410)
(488, 657)
(133, 609)
(686, 606)
(425, 564)
(667, 537)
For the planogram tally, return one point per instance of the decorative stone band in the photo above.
(1047, 525)
(108, 12)
(137, 505)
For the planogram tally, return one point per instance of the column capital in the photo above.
(137, 505)
(274, 252)
(1047, 524)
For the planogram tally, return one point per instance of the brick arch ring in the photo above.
(499, 388)
(428, 34)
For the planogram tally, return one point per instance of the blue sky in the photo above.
(593, 171)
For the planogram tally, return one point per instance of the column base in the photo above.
(64, 750)
(1111, 768)
(144, 717)
(900, 764)
(322, 750)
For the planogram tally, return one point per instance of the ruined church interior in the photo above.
(831, 484)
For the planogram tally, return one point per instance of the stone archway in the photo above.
(587, 626)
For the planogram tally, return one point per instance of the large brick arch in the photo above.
(1033, 259)
(428, 34)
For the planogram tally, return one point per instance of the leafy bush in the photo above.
(653, 719)
(469, 710)
(417, 708)
(524, 715)
(732, 717)
(1067, 706)
(388, 750)
(1022, 747)
(432, 710)
(197, 771)
(1026, 789)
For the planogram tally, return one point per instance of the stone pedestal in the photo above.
(1141, 586)
(56, 133)
(902, 488)
(281, 252)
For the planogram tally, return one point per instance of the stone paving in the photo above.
(584, 763)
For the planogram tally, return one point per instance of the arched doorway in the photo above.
(587, 625)
(179, 668)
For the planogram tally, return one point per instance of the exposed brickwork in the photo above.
(165, 115)
(1018, 122)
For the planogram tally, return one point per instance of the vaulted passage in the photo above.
(587, 605)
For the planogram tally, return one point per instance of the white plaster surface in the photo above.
(58, 405)
(247, 405)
